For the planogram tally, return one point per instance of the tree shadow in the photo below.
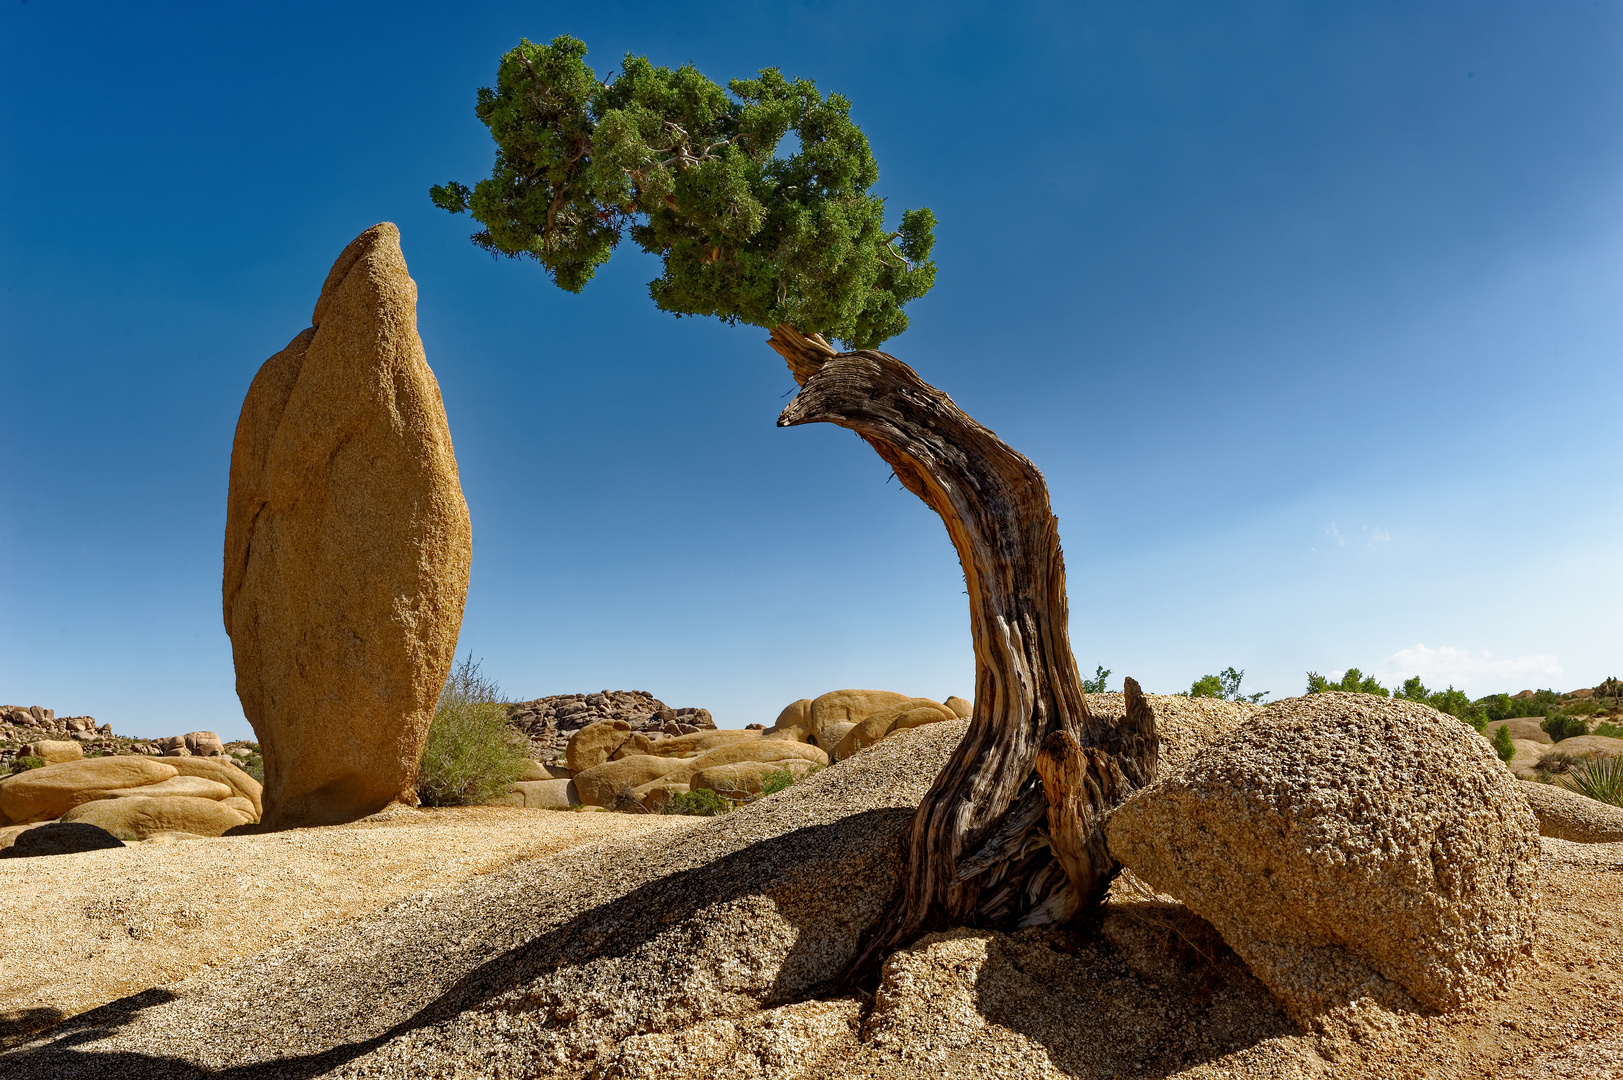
(1142, 989)
(808, 872)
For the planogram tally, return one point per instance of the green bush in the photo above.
(775, 781)
(1505, 707)
(23, 764)
(1502, 745)
(1352, 681)
(700, 803)
(1599, 778)
(1560, 727)
(1225, 685)
(1609, 729)
(254, 763)
(472, 755)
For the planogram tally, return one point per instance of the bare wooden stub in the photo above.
(990, 844)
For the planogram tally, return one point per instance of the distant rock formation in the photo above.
(550, 722)
(347, 548)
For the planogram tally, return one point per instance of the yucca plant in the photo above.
(1599, 778)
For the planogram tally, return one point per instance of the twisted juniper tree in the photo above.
(1009, 833)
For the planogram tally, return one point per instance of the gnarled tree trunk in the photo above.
(1008, 835)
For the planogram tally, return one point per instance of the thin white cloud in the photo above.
(1481, 672)
(1335, 534)
(1378, 536)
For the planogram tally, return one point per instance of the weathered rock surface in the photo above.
(961, 708)
(699, 742)
(794, 722)
(602, 785)
(203, 743)
(540, 967)
(347, 548)
(540, 795)
(914, 712)
(189, 786)
(223, 771)
(746, 777)
(1567, 815)
(805, 722)
(596, 743)
(1184, 725)
(137, 818)
(56, 751)
(49, 792)
(1347, 846)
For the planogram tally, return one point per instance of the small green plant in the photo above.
(1225, 685)
(472, 754)
(1353, 681)
(1560, 727)
(1599, 778)
(1609, 729)
(1502, 744)
(23, 764)
(1096, 685)
(700, 803)
(775, 781)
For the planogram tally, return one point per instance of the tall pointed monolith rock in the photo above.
(347, 548)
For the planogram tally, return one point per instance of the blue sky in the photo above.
(1309, 313)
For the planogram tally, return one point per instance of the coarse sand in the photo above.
(696, 952)
(78, 931)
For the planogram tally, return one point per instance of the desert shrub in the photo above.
(1609, 729)
(1560, 727)
(1096, 685)
(23, 764)
(1599, 778)
(1225, 685)
(775, 781)
(1502, 745)
(472, 755)
(254, 763)
(1584, 707)
(700, 803)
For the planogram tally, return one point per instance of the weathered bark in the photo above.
(989, 844)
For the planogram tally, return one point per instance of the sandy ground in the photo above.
(693, 949)
(78, 931)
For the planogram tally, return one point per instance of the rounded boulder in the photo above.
(49, 792)
(1348, 846)
(139, 818)
(595, 743)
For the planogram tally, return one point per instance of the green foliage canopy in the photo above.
(1352, 681)
(1225, 685)
(692, 172)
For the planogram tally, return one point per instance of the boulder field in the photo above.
(717, 946)
(626, 765)
(126, 798)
